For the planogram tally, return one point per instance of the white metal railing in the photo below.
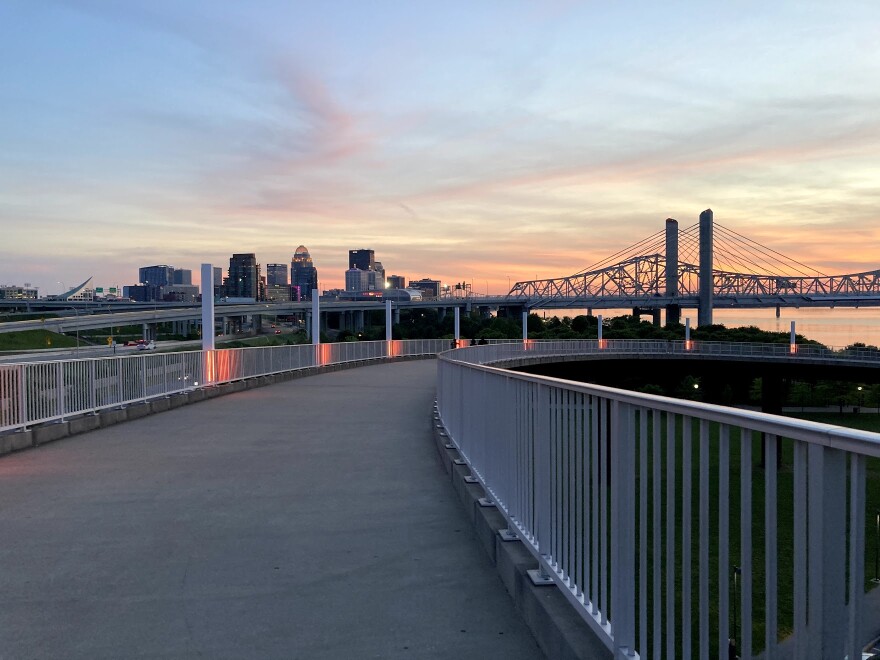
(35, 392)
(654, 517)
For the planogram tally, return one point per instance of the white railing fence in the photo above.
(36, 392)
(656, 519)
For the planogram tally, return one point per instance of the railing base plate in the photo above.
(471, 480)
(460, 461)
(539, 579)
(485, 502)
(507, 535)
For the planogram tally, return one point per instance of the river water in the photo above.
(836, 327)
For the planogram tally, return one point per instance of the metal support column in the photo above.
(388, 320)
(207, 307)
(316, 316)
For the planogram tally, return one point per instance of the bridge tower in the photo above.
(673, 311)
(707, 282)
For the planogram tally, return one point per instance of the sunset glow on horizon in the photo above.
(468, 142)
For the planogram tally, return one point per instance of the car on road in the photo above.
(147, 346)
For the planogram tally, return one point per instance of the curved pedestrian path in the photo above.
(310, 519)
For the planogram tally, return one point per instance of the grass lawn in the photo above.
(784, 527)
(28, 340)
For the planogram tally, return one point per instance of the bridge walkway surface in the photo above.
(309, 519)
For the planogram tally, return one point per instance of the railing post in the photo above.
(623, 569)
(826, 533)
(22, 395)
(543, 485)
(59, 383)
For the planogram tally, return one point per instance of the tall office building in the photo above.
(276, 275)
(243, 280)
(182, 276)
(358, 280)
(379, 279)
(429, 288)
(156, 275)
(396, 282)
(361, 259)
(303, 273)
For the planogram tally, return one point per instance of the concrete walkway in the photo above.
(309, 519)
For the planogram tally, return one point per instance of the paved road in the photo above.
(307, 520)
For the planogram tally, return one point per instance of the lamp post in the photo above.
(859, 388)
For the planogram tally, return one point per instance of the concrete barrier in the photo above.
(85, 423)
(113, 416)
(138, 410)
(50, 432)
(160, 405)
(16, 441)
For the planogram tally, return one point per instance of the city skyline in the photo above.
(475, 143)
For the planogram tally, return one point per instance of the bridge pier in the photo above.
(653, 311)
(150, 331)
(673, 312)
(707, 280)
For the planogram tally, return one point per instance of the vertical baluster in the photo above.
(594, 504)
(770, 600)
(643, 532)
(856, 553)
(657, 537)
(686, 500)
(623, 591)
(704, 541)
(603, 511)
(745, 647)
(799, 568)
(723, 539)
(670, 535)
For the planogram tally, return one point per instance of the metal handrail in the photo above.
(38, 392)
(610, 490)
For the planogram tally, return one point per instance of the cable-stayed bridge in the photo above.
(703, 266)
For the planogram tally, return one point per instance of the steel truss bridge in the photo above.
(744, 273)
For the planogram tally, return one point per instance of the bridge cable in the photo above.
(766, 249)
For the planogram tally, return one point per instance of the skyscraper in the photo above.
(396, 282)
(243, 280)
(276, 274)
(182, 276)
(156, 275)
(361, 259)
(303, 273)
(357, 279)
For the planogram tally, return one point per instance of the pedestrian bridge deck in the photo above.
(309, 519)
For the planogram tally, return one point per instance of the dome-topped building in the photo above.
(303, 273)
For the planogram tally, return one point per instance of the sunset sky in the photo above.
(466, 141)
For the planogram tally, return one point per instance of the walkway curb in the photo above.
(560, 632)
